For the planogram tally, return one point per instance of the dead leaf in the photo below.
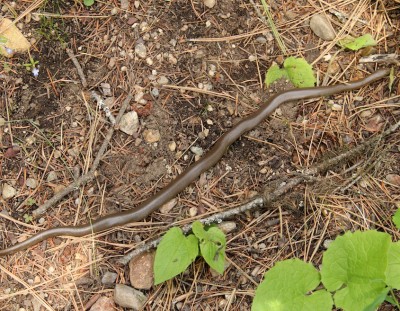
(393, 179)
(374, 124)
(12, 152)
(14, 40)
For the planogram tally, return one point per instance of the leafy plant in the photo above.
(358, 271)
(356, 44)
(30, 201)
(28, 218)
(296, 70)
(287, 286)
(88, 2)
(396, 217)
(177, 251)
(31, 64)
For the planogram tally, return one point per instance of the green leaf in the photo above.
(198, 230)
(28, 218)
(88, 2)
(274, 73)
(212, 245)
(30, 201)
(287, 286)
(356, 44)
(354, 268)
(393, 267)
(174, 254)
(300, 72)
(396, 219)
(3, 40)
(297, 70)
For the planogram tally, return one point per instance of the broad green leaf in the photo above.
(393, 267)
(198, 230)
(297, 70)
(300, 72)
(212, 245)
(356, 44)
(396, 218)
(274, 73)
(88, 2)
(354, 268)
(174, 254)
(287, 287)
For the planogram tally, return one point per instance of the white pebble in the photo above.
(162, 80)
(141, 50)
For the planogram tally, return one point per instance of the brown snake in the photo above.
(192, 172)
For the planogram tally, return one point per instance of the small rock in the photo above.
(197, 150)
(291, 15)
(57, 154)
(366, 113)
(114, 11)
(128, 297)
(227, 226)
(141, 50)
(155, 92)
(109, 278)
(322, 27)
(393, 179)
(2, 121)
(111, 63)
(136, 4)
(209, 3)
(172, 146)
(106, 89)
(261, 40)
(199, 54)
(31, 183)
(151, 136)
(8, 192)
(193, 211)
(141, 270)
(103, 304)
(129, 123)
(167, 207)
(124, 4)
(252, 58)
(336, 107)
(30, 140)
(162, 80)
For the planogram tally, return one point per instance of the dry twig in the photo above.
(268, 197)
(90, 175)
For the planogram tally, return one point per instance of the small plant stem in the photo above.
(394, 299)
(273, 27)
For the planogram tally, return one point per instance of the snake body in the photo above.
(192, 172)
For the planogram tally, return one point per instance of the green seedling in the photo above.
(27, 218)
(177, 251)
(296, 70)
(88, 2)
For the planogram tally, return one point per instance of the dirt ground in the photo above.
(203, 70)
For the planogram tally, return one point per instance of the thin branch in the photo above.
(90, 175)
(268, 197)
(78, 67)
